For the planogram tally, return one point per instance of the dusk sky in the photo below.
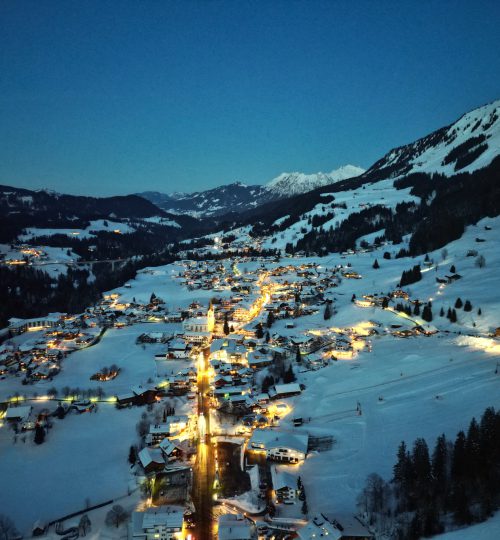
(106, 98)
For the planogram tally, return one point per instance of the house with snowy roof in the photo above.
(283, 446)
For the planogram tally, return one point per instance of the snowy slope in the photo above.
(476, 132)
(288, 184)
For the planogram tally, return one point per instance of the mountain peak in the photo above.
(294, 183)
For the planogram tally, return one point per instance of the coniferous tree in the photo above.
(427, 313)
(39, 434)
(467, 306)
(226, 325)
(289, 375)
(421, 471)
(259, 332)
(270, 319)
(441, 312)
(458, 303)
(440, 471)
(328, 313)
(376, 265)
(132, 455)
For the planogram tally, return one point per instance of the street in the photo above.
(204, 468)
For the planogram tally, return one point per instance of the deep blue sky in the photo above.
(115, 97)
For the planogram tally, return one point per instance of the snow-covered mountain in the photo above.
(469, 144)
(287, 184)
(427, 192)
(238, 197)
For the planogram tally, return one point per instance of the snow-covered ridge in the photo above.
(469, 144)
(294, 183)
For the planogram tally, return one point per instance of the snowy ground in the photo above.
(489, 530)
(83, 457)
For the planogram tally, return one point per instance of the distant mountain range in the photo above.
(459, 151)
(23, 208)
(427, 191)
(239, 197)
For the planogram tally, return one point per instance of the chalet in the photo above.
(170, 450)
(144, 395)
(125, 400)
(426, 329)
(287, 447)
(350, 274)
(151, 460)
(284, 485)
(18, 414)
(280, 391)
(157, 523)
(258, 360)
(172, 427)
(178, 349)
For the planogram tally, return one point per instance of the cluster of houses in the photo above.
(40, 357)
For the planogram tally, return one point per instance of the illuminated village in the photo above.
(216, 363)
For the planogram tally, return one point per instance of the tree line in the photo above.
(456, 485)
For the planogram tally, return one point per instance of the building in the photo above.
(19, 326)
(286, 447)
(235, 527)
(336, 528)
(281, 391)
(284, 485)
(151, 460)
(201, 324)
(157, 523)
(18, 414)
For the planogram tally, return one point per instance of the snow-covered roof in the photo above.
(290, 388)
(268, 438)
(18, 412)
(234, 527)
(150, 455)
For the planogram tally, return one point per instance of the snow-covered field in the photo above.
(95, 226)
(84, 457)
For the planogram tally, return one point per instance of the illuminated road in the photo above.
(205, 461)
(204, 470)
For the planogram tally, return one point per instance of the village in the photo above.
(230, 348)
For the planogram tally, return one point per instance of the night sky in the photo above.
(116, 97)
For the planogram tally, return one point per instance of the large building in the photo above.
(157, 523)
(201, 324)
(235, 527)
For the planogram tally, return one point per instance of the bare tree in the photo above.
(8, 530)
(116, 516)
(375, 498)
